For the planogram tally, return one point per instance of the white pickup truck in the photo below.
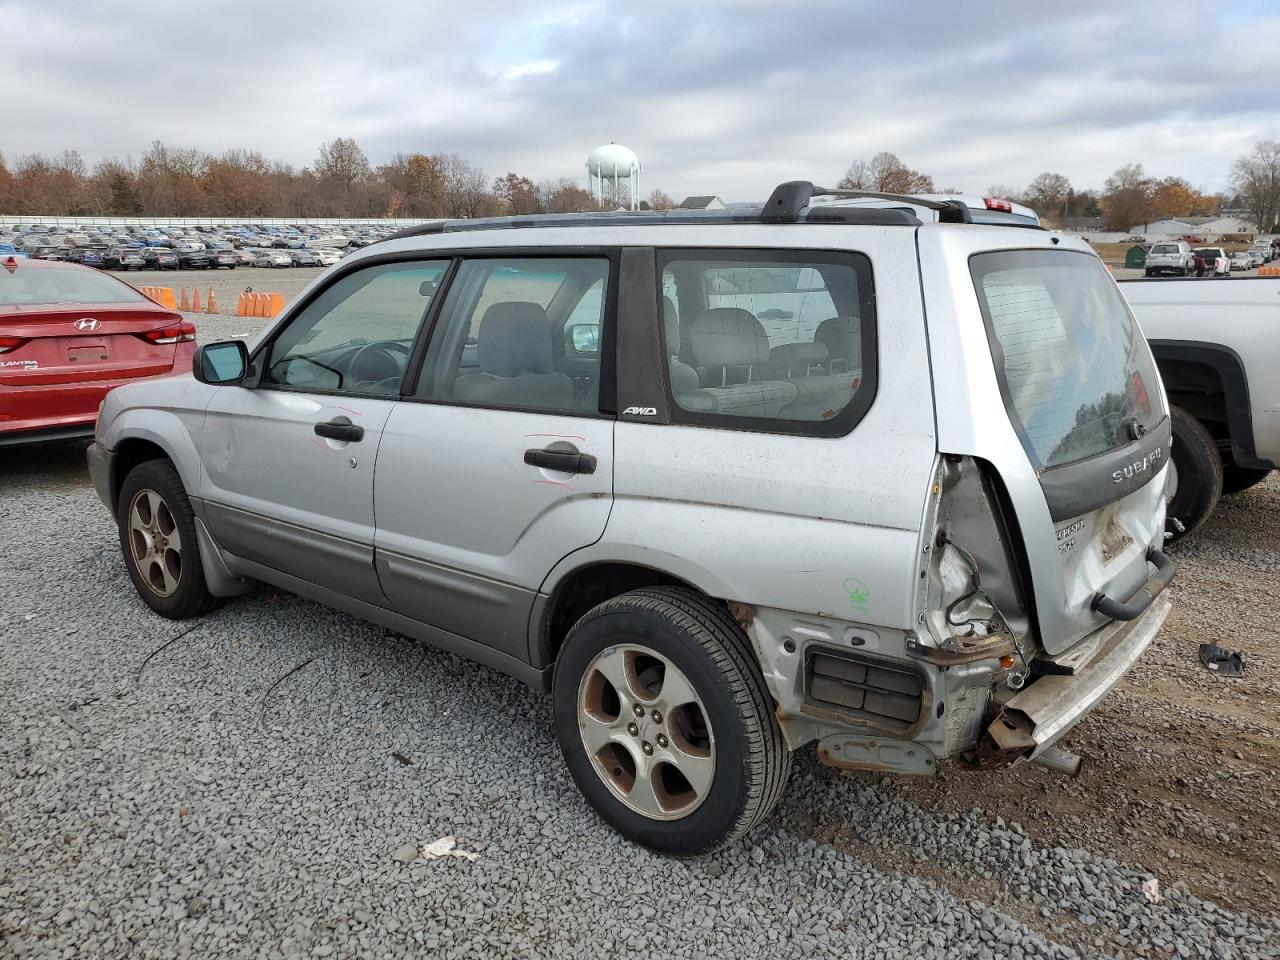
(1218, 349)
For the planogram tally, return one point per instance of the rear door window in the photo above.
(1076, 372)
(782, 341)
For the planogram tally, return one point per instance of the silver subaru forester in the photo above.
(852, 471)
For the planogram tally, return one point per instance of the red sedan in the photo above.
(68, 334)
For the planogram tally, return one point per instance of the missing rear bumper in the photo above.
(1029, 723)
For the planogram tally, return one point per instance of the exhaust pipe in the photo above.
(1060, 761)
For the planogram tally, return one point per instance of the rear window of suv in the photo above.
(1165, 248)
(1075, 370)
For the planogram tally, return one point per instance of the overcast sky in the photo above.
(715, 97)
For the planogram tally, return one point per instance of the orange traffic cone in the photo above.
(196, 305)
(276, 304)
(213, 303)
(261, 305)
(184, 304)
(242, 306)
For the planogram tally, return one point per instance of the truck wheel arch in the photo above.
(1208, 380)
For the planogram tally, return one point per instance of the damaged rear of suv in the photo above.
(819, 471)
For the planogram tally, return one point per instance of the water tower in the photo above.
(614, 164)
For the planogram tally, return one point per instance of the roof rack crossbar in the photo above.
(789, 200)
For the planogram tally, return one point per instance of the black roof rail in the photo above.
(789, 203)
(789, 199)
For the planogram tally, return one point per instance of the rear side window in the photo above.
(782, 341)
(1076, 372)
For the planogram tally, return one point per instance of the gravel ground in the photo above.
(173, 790)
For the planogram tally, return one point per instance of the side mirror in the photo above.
(585, 338)
(221, 363)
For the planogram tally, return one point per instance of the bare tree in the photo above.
(885, 173)
(1255, 177)
(466, 191)
(660, 201)
(1048, 195)
(857, 177)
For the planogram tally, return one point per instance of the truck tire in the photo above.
(1197, 478)
(1235, 479)
(665, 721)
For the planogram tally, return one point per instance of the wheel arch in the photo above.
(573, 589)
(1208, 381)
(137, 436)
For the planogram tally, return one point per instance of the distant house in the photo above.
(702, 203)
(1200, 226)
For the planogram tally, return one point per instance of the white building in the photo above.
(1208, 227)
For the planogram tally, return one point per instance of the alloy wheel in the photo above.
(155, 542)
(646, 731)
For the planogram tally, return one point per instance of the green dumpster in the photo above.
(1136, 256)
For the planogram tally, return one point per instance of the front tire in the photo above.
(1197, 474)
(1235, 479)
(158, 540)
(665, 723)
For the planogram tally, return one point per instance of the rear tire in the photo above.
(622, 657)
(1235, 479)
(158, 540)
(1199, 474)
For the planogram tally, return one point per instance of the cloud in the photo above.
(715, 97)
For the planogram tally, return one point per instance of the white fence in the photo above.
(8, 220)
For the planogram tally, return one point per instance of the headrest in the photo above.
(671, 325)
(514, 338)
(728, 337)
(842, 336)
(799, 354)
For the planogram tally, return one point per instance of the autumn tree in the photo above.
(1255, 177)
(565, 196)
(518, 193)
(1126, 200)
(466, 192)
(8, 195)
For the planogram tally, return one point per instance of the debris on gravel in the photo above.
(183, 812)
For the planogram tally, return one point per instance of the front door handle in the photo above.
(340, 428)
(566, 461)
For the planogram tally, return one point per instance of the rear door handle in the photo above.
(340, 428)
(566, 461)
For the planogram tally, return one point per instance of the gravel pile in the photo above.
(214, 804)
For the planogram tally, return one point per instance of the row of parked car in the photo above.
(1179, 258)
(135, 247)
(168, 258)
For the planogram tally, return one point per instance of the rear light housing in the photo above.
(996, 203)
(182, 332)
(10, 343)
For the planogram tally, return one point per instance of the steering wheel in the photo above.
(376, 368)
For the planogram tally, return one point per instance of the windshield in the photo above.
(1077, 375)
(37, 287)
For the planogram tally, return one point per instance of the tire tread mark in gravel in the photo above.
(707, 620)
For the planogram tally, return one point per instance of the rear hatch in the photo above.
(1082, 394)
